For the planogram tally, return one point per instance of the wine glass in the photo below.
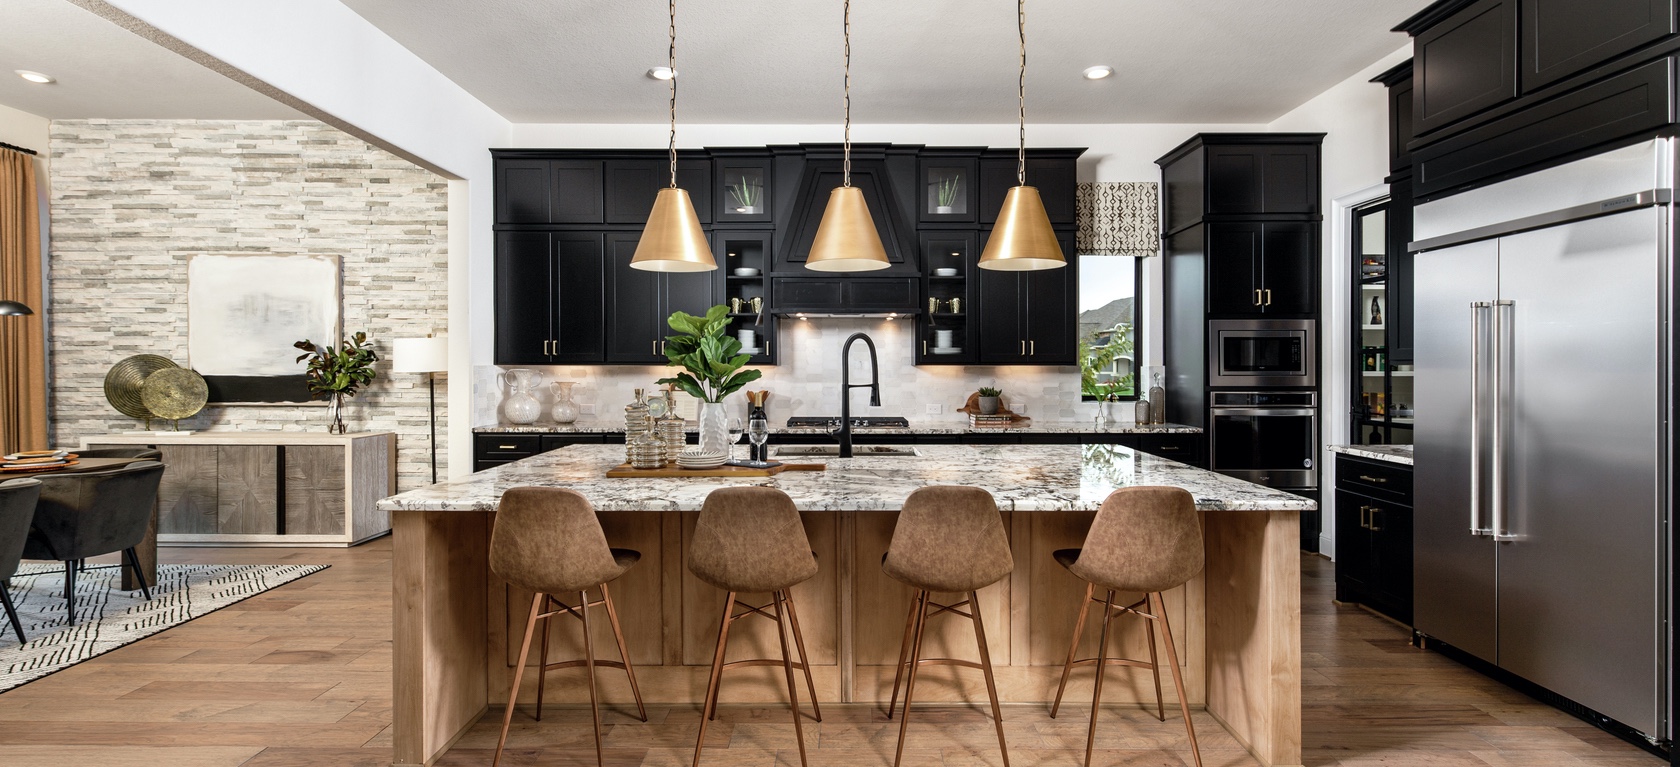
(734, 435)
(758, 430)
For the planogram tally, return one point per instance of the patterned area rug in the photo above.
(108, 617)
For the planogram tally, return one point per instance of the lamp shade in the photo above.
(420, 355)
(14, 309)
(846, 239)
(1022, 239)
(673, 241)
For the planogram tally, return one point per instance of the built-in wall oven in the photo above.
(1262, 353)
(1266, 437)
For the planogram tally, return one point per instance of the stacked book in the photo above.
(998, 421)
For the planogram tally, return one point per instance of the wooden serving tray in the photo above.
(625, 470)
(69, 461)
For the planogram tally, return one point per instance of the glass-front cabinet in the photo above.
(943, 329)
(744, 258)
(948, 190)
(1383, 392)
(743, 189)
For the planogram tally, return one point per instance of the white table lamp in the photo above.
(427, 355)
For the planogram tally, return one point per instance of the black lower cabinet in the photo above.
(1374, 536)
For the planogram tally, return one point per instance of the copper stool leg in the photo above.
(986, 666)
(542, 657)
(915, 662)
(1155, 669)
(1102, 665)
(1073, 646)
(904, 651)
(804, 661)
(518, 674)
(589, 665)
(710, 703)
(1158, 606)
(787, 668)
(623, 654)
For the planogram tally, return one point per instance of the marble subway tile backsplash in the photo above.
(807, 380)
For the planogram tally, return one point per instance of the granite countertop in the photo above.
(612, 426)
(1389, 453)
(1021, 477)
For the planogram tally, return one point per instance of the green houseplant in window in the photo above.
(711, 361)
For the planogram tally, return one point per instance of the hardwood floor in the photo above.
(301, 676)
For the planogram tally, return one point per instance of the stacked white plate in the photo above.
(695, 458)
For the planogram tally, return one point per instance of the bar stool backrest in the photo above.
(1144, 539)
(949, 538)
(750, 539)
(548, 539)
(17, 508)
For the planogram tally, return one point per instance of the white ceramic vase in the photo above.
(714, 427)
(521, 406)
(564, 410)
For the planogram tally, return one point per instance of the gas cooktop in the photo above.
(858, 422)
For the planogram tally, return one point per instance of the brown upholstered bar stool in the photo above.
(947, 539)
(750, 539)
(1144, 540)
(548, 540)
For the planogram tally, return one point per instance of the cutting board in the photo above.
(625, 470)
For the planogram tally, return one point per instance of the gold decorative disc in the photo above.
(123, 382)
(175, 393)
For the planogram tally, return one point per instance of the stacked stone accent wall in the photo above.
(132, 200)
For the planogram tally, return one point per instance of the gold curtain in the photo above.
(23, 352)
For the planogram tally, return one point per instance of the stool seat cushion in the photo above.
(751, 539)
(1144, 539)
(949, 538)
(549, 540)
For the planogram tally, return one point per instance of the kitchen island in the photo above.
(457, 627)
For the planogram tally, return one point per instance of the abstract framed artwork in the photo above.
(245, 311)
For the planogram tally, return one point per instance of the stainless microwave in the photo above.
(1263, 353)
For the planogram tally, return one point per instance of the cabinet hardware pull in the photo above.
(1268, 297)
(924, 347)
(1375, 528)
(1375, 480)
(654, 345)
(1023, 348)
(1257, 297)
(1363, 518)
(507, 447)
(1032, 348)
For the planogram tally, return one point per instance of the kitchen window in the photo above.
(1108, 327)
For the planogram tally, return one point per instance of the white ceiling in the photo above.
(913, 61)
(105, 71)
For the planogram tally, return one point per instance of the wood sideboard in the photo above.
(269, 488)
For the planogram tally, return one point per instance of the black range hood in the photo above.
(855, 296)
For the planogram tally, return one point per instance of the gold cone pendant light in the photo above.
(1022, 238)
(673, 241)
(846, 238)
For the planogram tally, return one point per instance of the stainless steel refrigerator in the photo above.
(1543, 377)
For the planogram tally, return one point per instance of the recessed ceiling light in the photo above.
(1098, 72)
(35, 77)
(662, 73)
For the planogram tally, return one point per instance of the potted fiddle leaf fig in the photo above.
(337, 373)
(711, 362)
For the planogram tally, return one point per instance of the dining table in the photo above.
(146, 552)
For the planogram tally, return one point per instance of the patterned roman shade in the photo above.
(1119, 218)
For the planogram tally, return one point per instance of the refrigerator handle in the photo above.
(1476, 310)
(1502, 331)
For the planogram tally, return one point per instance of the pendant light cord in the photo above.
(1021, 92)
(846, 98)
(671, 55)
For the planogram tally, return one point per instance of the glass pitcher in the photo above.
(564, 410)
(520, 406)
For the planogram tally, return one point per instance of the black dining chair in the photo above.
(91, 513)
(17, 508)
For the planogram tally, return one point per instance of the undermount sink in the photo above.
(833, 451)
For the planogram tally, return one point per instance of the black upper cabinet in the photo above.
(1465, 63)
(1262, 269)
(1051, 171)
(1398, 81)
(522, 188)
(574, 195)
(631, 186)
(1401, 280)
(1028, 318)
(949, 189)
(639, 302)
(1563, 37)
(549, 292)
(1248, 176)
(745, 188)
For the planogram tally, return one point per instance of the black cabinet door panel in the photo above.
(996, 177)
(524, 306)
(1562, 37)
(1051, 299)
(1003, 338)
(1289, 182)
(522, 188)
(575, 192)
(1262, 179)
(1353, 547)
(1234, 179)
(1289, 269)
(1056, 183)
(1233, 270)
(1391, 561)
(631, 186)
(692, 292)
(633, 326)
(1465, 63)
(1400, 269)
(580, 285)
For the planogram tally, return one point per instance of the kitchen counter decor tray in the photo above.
(625, 471)
(30, 465)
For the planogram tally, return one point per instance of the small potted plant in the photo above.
(945, 195)
(746, 196)
(338, 373)
(990, 400)
(712, 361)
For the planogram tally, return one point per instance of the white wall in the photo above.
(1354, 115)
